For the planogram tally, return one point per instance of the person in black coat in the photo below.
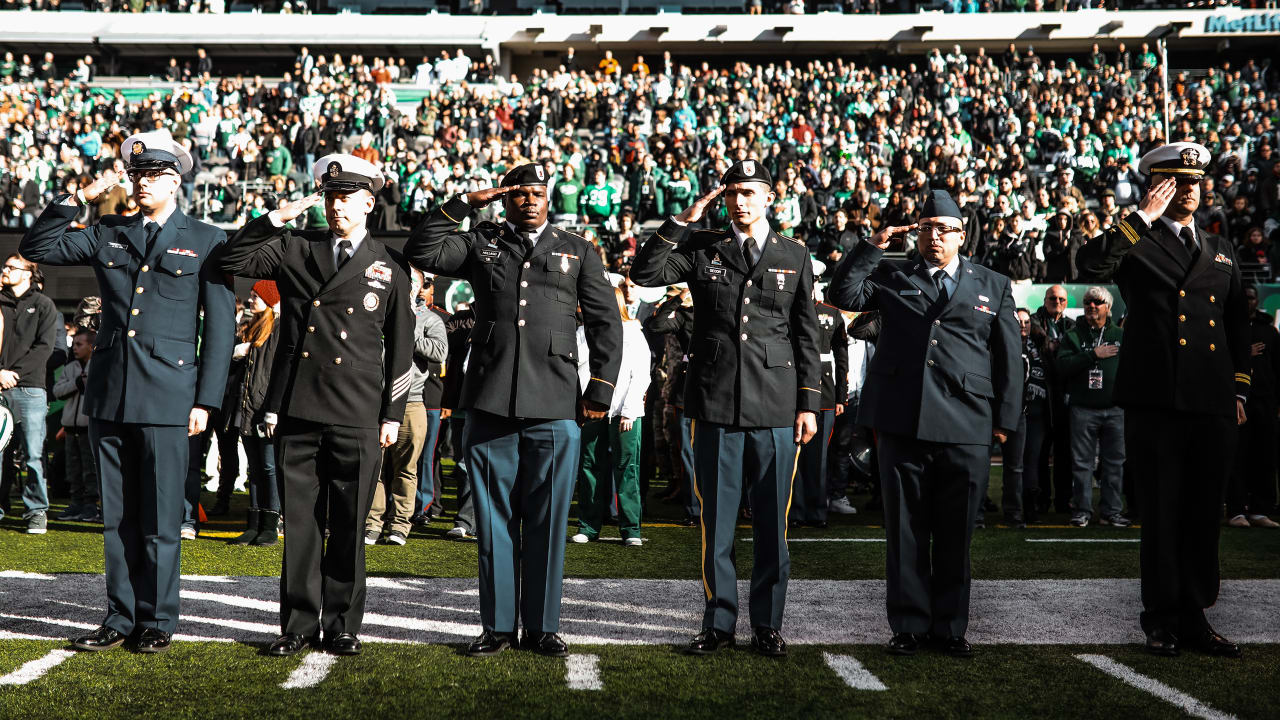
(1061, 243)
(338, 389)
(1183, 381)
(521, 392)
(1251, 493)
(752, 391)
(946, 378)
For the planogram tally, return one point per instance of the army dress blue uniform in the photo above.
(1184, 363)
(753, 366)
(809, 499)
(520, 392)
(153, 362)
(342, 370)
(946, 373)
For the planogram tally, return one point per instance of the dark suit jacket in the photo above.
(833, 349)
(154, 358)
(346, 336)
(948, 374)
(1186, 332)
(754, 358)
(524, 344)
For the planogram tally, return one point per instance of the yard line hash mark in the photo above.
(36, 669)
(1135, 679)
(852, 672)
(313, 670)
(582, 672)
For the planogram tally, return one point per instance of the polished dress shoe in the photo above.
(903, 644)
(343, 644)
(152, 640)
(545, 643)
(1211, 643)
(709, 641)
(104, 638)
(1162, 643)
(286, 645)
(768, 642)
(490, 643)
(956, 646)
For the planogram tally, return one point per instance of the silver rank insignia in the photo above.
(782, 281)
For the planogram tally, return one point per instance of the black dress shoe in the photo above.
(709, 641)
(548, 644)
(286, 645)
(957, 647)
(1162, 643)
(104, 638)
(903, 644)
(152, 640)
(490, 643)
(1211, 643)
(768, 642)
(344, 644)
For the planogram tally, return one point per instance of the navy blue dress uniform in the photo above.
(1184, 363)
(947, 372)
(521, 394)
(342, 370)
(154, 360)
(753, 365)
(809, 499)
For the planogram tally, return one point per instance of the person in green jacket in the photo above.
(1087, 363)
(602, 202)
(279, 160)
(566, 198)
(681, 188)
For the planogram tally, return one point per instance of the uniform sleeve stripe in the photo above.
(663, 239)
(1128, 231)
(811, 390)
(606, 382)
(446, 214)
(1243, 378)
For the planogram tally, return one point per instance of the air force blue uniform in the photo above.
(154, 360)
(946, 373)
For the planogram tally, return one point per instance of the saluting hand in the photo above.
(694, 212)
(479, 198)
(290, 210)
(1157, 199)
(99, 186)
(887, 234)
(806, 426)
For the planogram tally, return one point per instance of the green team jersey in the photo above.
(601, 201)
(567, 197)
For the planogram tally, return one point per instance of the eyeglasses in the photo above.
(15, 268)
(150, 175)
(1094, 301)
(930, 228)
(1054, 299)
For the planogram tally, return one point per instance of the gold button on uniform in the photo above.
(311, 328)
(315, 303)
(1212, 347)
(181, 362)
(933, 342)
(132, 333)
(1212, 324)
(350, 310)
(744, 336)
(1182, 293)
(930, 363)
(1212, 299)
(746, 301)
(139, 290)
(520, 322)
(146, 268)
(177, 272)
(524, 283)
(744, 318)
(337, 361)
(110, 263)
(306, 354)
(133, 311)
(748, 283)
(523, 302)
(1182, 318)
(526, 266)
(1182, 341)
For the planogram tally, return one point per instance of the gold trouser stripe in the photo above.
(442, 212)
(791, 491)
(702, 511)
(1128, 232)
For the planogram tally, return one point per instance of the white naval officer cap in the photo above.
(340, 172)
(1182, 160)
(156, 150)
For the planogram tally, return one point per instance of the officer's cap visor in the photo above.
(154, 160)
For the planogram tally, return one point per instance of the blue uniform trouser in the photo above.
(809, 500)
(522, 475)
(932, 494)
(728, 463)
(427, 465)
(142, 469)
(29, 406)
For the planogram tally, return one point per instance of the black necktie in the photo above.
(938, 278)
(526, 239)
(1189, 239)
(750, 253)
(344, 253)
(152, 230)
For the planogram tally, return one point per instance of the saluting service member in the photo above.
(521, 392)
(157, 372)
(809, 498)
(1183, 380)
(337, 394)
(752, 390)
(946, 378)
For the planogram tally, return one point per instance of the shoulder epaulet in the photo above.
(574, 235)
(794, 240)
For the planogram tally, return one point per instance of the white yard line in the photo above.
(1174, 697)
(36, 669)
(208, 578)
(1083, 540)
(582, 672)
(232, 600)
(26, 575)
(852, 672)
(313, 670)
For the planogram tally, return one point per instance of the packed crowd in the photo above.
(1040, 153)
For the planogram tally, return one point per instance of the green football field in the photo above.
(1054, 630)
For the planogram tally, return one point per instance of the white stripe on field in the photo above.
(36, 669)
(232, 600)
(1083, 540)
(92, 626)
(795, 540)
(582, 672)
(314, 668)
(7, 635)
(25, 575)
(1174, 697)
(208, 578)
(852, 672)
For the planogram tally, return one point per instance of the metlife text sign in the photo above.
(1252, 23)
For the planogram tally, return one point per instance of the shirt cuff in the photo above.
(270, 418)
(394, 425)
(1145, 218)
(676, 220)
(274, 217)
